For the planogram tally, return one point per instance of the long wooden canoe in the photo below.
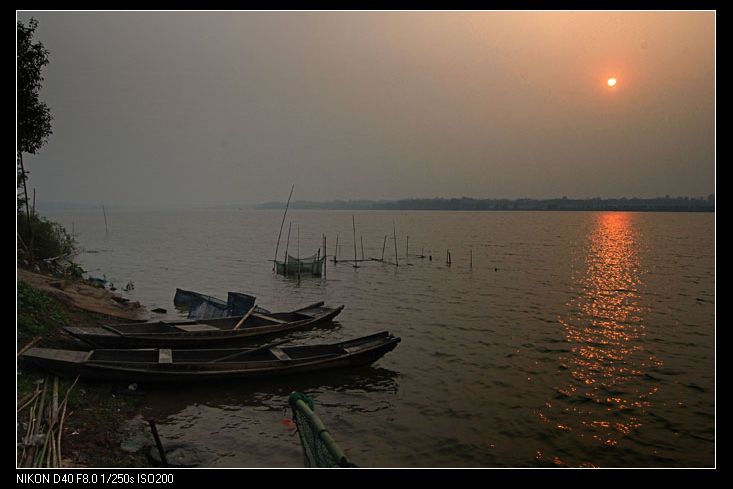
(204, 333)
(165, 365)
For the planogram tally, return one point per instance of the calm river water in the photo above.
(575, 339)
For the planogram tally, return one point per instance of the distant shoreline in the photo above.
(662, 204)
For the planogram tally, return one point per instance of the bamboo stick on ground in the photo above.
(32, 342)
(28, 400)
(63, 416)
(29, 429)
(54, 401)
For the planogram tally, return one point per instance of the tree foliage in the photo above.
(34, 116)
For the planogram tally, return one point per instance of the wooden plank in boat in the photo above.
(280, 354)
(87, 331)
(270, 318)
(165, 355)
(190, 328)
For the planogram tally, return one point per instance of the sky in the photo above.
(221, 108)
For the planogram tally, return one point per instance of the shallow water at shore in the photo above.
(576, 338)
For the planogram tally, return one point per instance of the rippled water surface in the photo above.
(575, 339)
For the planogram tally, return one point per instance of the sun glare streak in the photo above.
(604, 328)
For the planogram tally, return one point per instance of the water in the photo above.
(576, 339)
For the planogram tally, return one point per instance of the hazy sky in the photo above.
(191, 108)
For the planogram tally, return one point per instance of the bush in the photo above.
(50, 239)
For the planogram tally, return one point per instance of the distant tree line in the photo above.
(663, 204)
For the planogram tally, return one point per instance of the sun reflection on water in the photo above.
(605, 328)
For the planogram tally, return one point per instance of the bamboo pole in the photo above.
(29, 429)
(158, 443)
(353, 222)
(55, 400)
(287, 244)
(362, 247)
(336, 251)
(26, 347)
(274, 265)
(63, 416)
(27, 401)
(106, 229)
(394, 229)
(407, 249)
(244, 318)
(325, 256)
(298, 252)
(384, 244)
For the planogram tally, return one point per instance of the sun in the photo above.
(612, 82)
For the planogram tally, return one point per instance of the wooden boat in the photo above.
(166, 365)
(204, 333)
(237, 304)
(185, 298)
(202, 306)
(312, 265)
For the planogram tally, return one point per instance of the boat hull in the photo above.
(72, 363)
(107, 337)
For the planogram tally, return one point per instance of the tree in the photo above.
(34, 116)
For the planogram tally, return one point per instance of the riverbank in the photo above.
(96, 421)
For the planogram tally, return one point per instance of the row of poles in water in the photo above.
(448, 255)
(355, 261)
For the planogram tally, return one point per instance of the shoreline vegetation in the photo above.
(659, 204)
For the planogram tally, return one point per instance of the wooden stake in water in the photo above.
(325, 256)
(282, 224)
(470, 262)
(287, 244)
(106, 229)
(298, 252)
(407, 249)
(394, 230)
(362, 246)
(383, 246)
(353, 222)
(336, 252)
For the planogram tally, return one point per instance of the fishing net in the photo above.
(311, 264)
(319, 449)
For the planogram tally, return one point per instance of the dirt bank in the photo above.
(79, 294)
